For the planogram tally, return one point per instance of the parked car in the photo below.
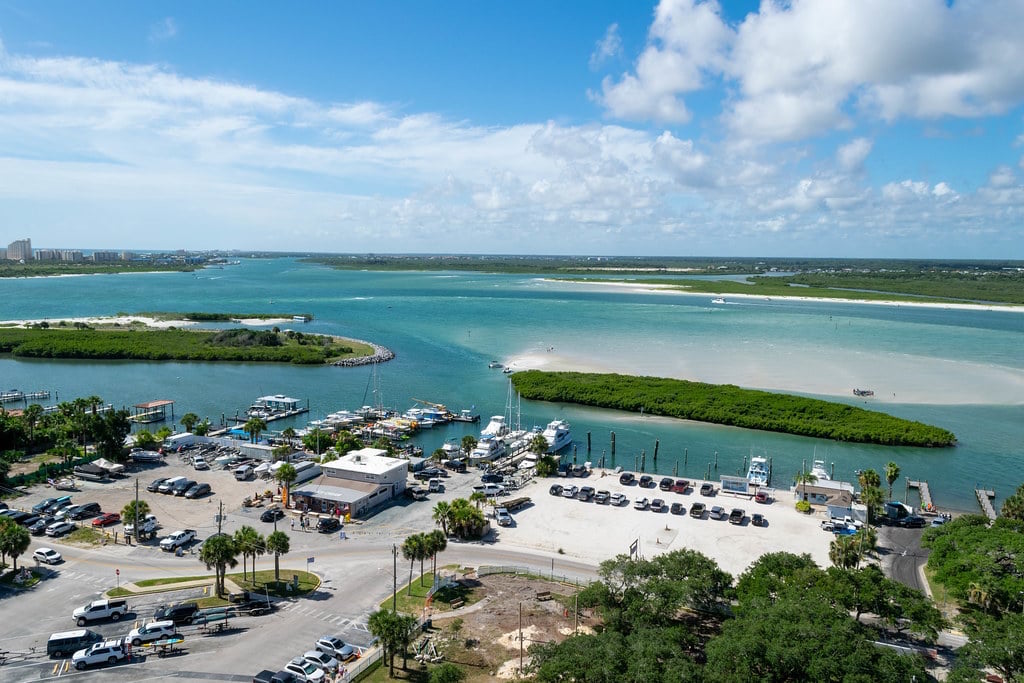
(107, 518)
(618, 499)
(303, 670)
(337, 648)
(272, 515)
(586, 493)
(736, 516)
(717, 512)
(938, 521)
(491, 490)
(181, 487)
(107, 652)
(761, 497)
(30, 520)
(198, 491)
(913, 522)
(47, 556)
(429, 473)
(41, 506)
(707, 489)
(39, 528)
(502, 516)
(602, 497)
(555, 490)
(677, 509)
(59, 504)
(657, 505)
(641, 504)
(626, 478)
(84, 510)
(757, 519)
(60, 528)
(680, 485)
(646, 481)
(697, 510)
(570, 492)
(155, 485)
(326, 525)
(147, 633)
(321, 660)
(199, 463)
(179, 613)
(491, 478)
(666, 483)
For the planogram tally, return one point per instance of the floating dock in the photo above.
(985, 497)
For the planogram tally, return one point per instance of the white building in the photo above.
(20, 250)
(355, 483)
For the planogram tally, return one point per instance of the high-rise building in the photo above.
(45, 255)
(20, 250)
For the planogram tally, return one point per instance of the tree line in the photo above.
(729, 405)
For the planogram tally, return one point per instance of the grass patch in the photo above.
(146, 583)
(940, 596)
(263, 582)
(119, 593)
(86, 535)
(412, 598)
(212, 601)
(378, 672)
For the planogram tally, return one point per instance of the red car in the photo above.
(107, 518)
(680, 486)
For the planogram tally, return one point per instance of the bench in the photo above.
(457, 603)
(543, 595)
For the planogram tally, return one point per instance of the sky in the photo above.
(831, 128)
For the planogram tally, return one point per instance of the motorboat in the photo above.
(494, 364)
(820, 471)
(719, 300)
(557, 435)
(496, 427)
(487, 449)
(757, 474)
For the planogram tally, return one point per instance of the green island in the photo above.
(205, 317)
(936, 281)
(82, 342)
(729, 405)
(11, 269)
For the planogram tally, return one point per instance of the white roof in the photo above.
(368, 460)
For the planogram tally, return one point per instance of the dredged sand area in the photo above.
(128, 320)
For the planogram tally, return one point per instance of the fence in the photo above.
(532, 571)
(49, 471)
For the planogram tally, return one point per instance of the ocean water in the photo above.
(962, 370)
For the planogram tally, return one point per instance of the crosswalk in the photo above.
(327, 616)
(84, 578)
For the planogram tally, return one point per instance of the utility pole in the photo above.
(394, 580)
(520, 638)
(136, 527)
(220, 516)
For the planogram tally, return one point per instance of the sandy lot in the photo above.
(597, 532)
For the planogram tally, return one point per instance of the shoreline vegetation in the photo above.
(938, 282)
(14, 270)
(730, 405)
(237, 344)
(204, 317)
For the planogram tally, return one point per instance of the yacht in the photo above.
(487, 449)
(496, 427)
(718, 301)
(757, 475)
(557, 435)
(820, 471)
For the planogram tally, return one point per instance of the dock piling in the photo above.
(588, 442)
(643, 461)
(656, 444)
(716, 461)
(613, 444)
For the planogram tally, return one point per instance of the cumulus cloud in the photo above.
(608, 47)
(802, 68)
(851, 156)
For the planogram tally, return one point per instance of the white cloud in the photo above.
(1003, 176)
(163, 30)
(851, 156)
(608, 47)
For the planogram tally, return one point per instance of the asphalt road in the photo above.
(903, 558)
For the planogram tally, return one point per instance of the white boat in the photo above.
(496, 427)
(487, 449)
(452, 450)
(719, 300)
(820, 471)
(757, 474)
(494, 364)
(557, 435)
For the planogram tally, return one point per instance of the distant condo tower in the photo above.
(20, 250)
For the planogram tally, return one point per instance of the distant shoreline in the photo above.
(652, 288)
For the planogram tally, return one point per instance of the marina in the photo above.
(15, 395)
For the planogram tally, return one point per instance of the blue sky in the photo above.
(853, 128)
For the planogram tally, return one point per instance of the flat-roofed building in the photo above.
(20, 250)
(355, 484)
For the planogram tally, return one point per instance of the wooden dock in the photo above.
(924, 491)
(280, 415)
(985, 497)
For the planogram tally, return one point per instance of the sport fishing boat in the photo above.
(557, 435)
(496, 427)
(487, 449)
(757, 474)
(820, 471)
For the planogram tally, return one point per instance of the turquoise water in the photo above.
(963, 370)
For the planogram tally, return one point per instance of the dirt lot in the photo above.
(487, 641)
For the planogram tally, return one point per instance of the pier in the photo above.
(151, 411)
(15, 395)
(277, 415)
(985, 497)
(924, 491)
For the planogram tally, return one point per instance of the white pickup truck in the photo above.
(147, 526)
(177, 539)
(100, 609)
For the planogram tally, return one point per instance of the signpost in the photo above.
(117, 573)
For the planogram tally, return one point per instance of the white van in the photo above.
(435, 485)
(244, 473)
(169, 485)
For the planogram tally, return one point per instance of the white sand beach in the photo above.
(127, 320)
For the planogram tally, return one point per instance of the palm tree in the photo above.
(14, 541)
(412, 550)
(285, 476)
(385, 626)
(468, 443)
(806, 478)
(31, 416)
(278, 543)
(203, 428)
(288, 433)
(538, 444)
(438, 543)
(477, 497)
(868, 478)
(249, 542)
(218, 553)
(892, 473)
(254, 426)
(547, 465)
(843, 552)
(189, 421)
(867, 540)
(442, 515)
(133, 511)
(1013, 506)
(872, 498)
